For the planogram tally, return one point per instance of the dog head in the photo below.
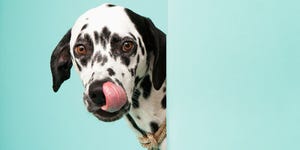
(112, 49)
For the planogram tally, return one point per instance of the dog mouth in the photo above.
(104, 115)
(114, 102)
(111, 116)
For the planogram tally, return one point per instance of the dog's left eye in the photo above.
(80, 50)
(127, 46)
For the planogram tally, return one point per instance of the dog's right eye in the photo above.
(127, 46)
(80, 50)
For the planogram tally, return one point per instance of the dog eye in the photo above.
(127, 46)
(80, 50)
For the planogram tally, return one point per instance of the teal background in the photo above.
(32, 116)
(233, 76)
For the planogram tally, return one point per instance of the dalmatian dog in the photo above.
(121, 59)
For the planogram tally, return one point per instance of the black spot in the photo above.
(135, 125)
(103, 42)
(83, 61)
(154, 126)
(105, 33)
(111, 72)
(104, 37)
(164, 102)
(146, 86)
(138, 117)
(111, 5)
(132, 71)
(96, 35)
(135, 68)
(111, 55)
(104, 60)
(132, 35)
(115, 38)
(135, 98)
(92, 63)
(91, 79)
(99, 58)
(137, 80)
(79, 36)
(125, 60)
(123, 74)
(142, 47)
(119, 82)
(115, 43)
(95, 58)
(138, 59)
(164, 89)
(78, 66)
(84, 26)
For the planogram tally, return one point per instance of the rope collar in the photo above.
(151, 140)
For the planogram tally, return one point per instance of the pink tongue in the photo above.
(115, 97)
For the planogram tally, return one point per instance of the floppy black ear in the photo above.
(159, 65)
(61, 62)
(155, 42)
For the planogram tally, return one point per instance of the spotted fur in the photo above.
(141, 72)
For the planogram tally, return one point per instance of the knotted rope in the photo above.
(151, 140)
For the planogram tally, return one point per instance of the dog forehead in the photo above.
(114, 18)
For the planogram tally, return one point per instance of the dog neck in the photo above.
(148, 110)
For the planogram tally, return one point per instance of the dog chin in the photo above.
(111, 116)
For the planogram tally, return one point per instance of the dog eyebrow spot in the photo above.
(111, 72)
(79, 36)
(132, 35)
(84, 26)
(115, 38)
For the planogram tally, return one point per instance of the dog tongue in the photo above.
(115, 97)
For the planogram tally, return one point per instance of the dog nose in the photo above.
(96, 93)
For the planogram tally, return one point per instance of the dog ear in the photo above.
(159, 49)
(61, 62)
(155, 42)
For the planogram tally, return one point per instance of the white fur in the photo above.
(117, 21)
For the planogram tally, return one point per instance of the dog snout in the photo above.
(96, 93)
